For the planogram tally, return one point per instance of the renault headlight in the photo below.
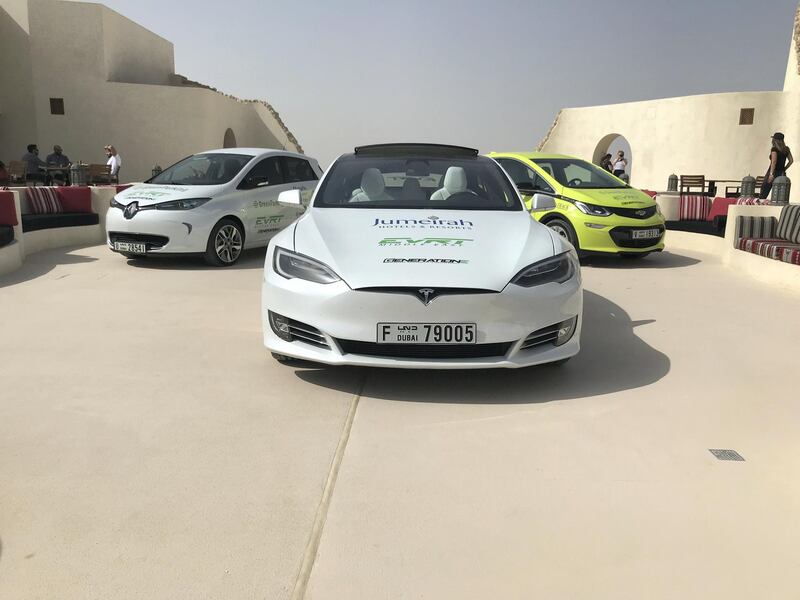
(296, 266)
(187, 204)
(557, 269)
(592, 209)
(115, 204)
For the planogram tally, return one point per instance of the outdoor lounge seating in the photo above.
(52, 207)
(100, 174)
(778, 239)
(692, 182)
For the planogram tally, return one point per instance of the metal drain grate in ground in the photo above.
(726, 454)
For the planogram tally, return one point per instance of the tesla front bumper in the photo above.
(336, 325)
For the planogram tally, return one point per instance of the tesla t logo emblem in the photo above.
(131, 210)
(426, 295)
(641, 213)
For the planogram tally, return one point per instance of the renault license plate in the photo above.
(132, 247)
(427, 333)
(646, 234)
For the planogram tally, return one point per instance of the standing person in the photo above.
(620, 164)
(114, 161)
(780, 159)
(59, 159)
(34, 164)
(605, 163)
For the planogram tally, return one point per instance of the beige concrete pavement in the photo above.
(150, 449)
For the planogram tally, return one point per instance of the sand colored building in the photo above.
(81, 75)
(723, 136)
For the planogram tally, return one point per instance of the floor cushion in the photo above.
(694, 207)
(75, 199)
(8, 212)
(44, 200)
(789, 223)
(50, 221)
(6, 235)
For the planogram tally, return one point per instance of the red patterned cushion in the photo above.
(750, 201)
(8, 213)
(44, 200)
(789, 255)
(694, 207)
(760, 246)
(650, 193)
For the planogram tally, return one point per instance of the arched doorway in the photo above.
(230, 139)
(611, 144)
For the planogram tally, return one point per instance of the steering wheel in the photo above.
(576, 182)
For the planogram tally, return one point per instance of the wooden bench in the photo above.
(101, 174)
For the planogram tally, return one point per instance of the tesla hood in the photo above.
(447, 248)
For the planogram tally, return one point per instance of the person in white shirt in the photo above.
(620, 164)
(114, 161)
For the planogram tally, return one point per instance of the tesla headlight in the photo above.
(557, 269)
(296, 266)
(592, 209)
(187, 204)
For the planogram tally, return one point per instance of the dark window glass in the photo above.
(266, 173)
(203, 169)
(747, 116)
(424, 182)
(523, 176)
(56, 106)
(297, 169)
(575, 173)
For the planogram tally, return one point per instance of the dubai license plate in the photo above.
(427, 333)
(132, 247)
(646, 234)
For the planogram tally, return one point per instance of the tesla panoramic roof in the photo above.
(414, 150)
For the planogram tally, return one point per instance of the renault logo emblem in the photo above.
(131, 210)
(426, 295)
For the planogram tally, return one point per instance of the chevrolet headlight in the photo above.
(557, 269)
(592, 209)
(296, 266)
(187, 204)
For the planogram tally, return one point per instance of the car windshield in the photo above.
(440, 182)
(575, 173)
(203, 169)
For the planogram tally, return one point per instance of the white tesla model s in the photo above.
(420, 256)
(214, 204)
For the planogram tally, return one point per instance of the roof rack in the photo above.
(414, 150)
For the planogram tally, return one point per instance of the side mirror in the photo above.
(290, 198)
(542, 202)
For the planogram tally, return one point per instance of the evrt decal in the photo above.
(440, 261)
(432, 222)
(268, 224)
(406, 241)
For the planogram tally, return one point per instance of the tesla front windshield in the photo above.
(203, 169)
(440, 182)
(575, 173)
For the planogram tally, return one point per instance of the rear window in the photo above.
(442, 183)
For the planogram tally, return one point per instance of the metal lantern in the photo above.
(672, 183)
(748, 186)
(780, 190)
(79, 174)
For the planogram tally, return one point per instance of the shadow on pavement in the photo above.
(41, 263)
(612, 359)
(251, 259)
(657, 260)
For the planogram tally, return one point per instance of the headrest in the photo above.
(412, 190)
(455, 180)
(372, 182)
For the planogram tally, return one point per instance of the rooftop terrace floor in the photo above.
(150, 447)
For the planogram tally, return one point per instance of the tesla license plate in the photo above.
(646, 234)
(427, 333)
(131, 247)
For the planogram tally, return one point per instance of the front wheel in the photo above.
(565, 230)
(225, 244)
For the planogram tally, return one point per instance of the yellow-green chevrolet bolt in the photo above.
(595, 211)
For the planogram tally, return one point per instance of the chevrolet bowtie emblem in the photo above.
(641, 213)
(426, 295)
(131, 210)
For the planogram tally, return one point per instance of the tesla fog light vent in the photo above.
(558, 335)
(290, 330)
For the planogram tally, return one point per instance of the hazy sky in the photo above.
(489, 74)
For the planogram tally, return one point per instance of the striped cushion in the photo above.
(694, 207)
(756, 227)
(789, 223)
(767, 248)
(750, 201)
(789, 255)
(44, 200)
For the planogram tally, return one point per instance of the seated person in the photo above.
(34, 164)
(455, 182)
(373, 187)
(59, 159)
(4, 178)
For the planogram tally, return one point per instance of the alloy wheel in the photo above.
(228, 243)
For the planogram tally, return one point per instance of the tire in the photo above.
(563, 228)
(225, 244)
(635, 256)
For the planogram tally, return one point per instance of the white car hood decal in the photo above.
(147, 194)
(391, 248)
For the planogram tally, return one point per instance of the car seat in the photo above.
(412, 190)
(373, 187)
(455, 182)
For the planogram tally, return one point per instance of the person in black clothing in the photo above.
(780, 159)
(605, 163)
